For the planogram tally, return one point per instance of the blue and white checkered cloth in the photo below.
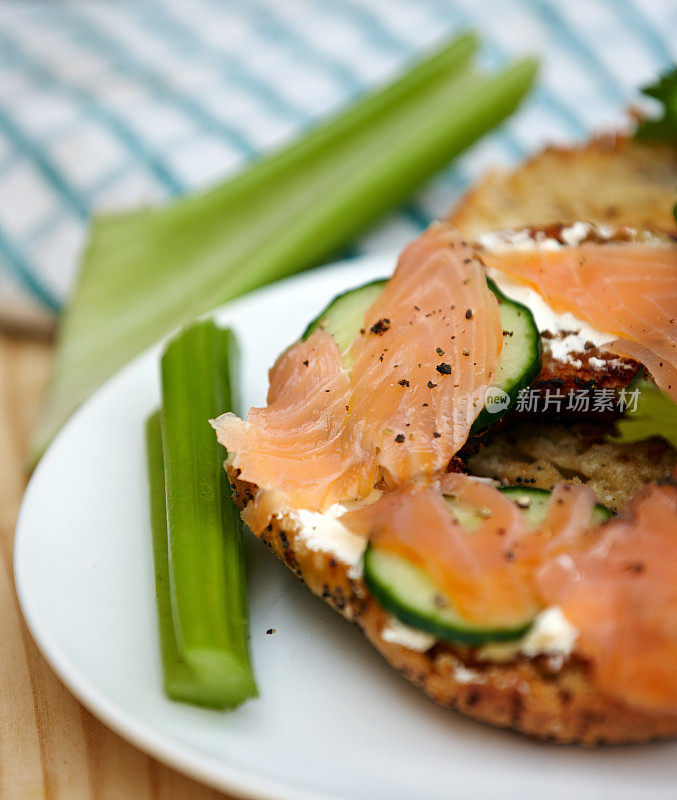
(111, 104)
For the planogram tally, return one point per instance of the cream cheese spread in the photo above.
(551, 634)
(397, 632)
(324, 532)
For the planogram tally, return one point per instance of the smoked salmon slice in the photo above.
(299, 445)
(626, 289)
(425, 375)
(475, 569)
(489, 570)
(421, 366)
(621, 594)
(615, 582)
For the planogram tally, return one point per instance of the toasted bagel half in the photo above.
(609, 180)
(540, 696)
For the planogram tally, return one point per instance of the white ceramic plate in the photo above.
(333, 720)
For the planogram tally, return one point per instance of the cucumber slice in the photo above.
(534, 504)
(408, 592)
(344, 316)
(521, 356)
(519, 362)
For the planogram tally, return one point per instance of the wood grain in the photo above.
(51, 747)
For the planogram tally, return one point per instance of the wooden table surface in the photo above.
(51, 748)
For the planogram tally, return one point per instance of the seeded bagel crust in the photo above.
(529, 695)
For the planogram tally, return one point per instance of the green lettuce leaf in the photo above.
(654, 414)
(663, 128)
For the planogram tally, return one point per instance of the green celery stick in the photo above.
(178, 679)
(145, 273)
(201, 579)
